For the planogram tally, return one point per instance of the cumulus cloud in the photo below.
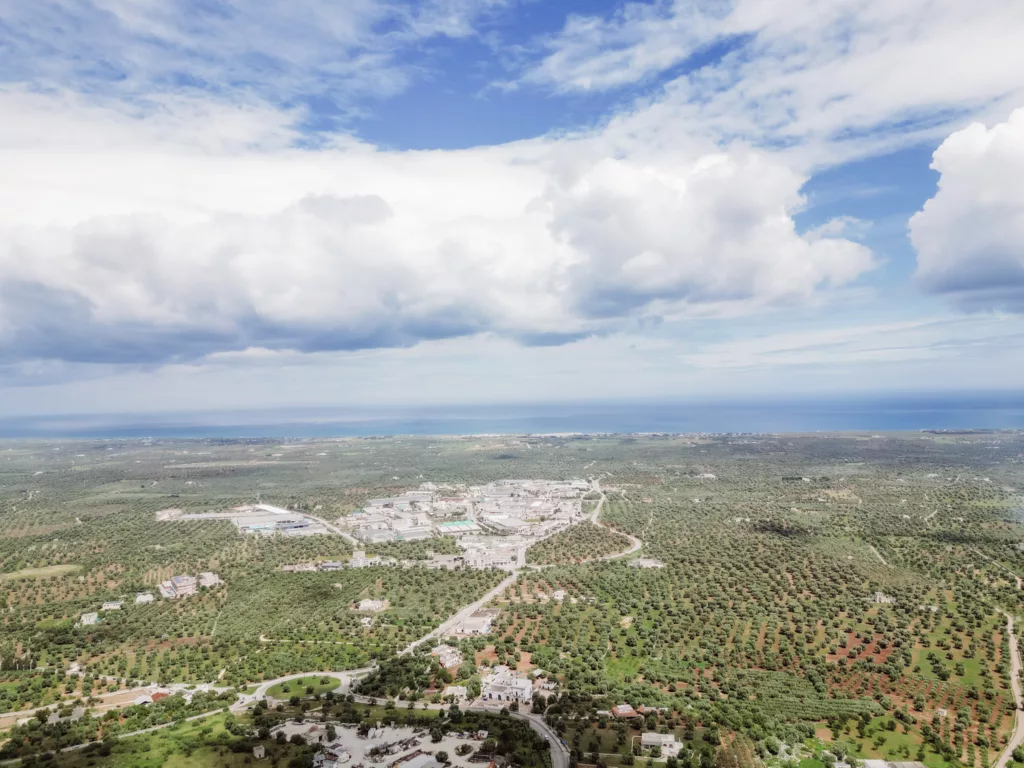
(970, 236)
(175, 246)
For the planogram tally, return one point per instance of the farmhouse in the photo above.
(663, 740)
(88, 619)
(623, 710)
(448, 656)
(504, 685)
(374, 606)
(478, 623)
(179, 586)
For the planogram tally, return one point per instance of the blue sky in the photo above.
(259, 204)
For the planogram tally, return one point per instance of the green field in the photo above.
(196, 744)
(301, 686)
(40, 573)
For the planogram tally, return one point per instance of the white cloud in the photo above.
(940, 340)
(970, 236)
(149, 241)
(834, 79)
(277, 50)
(640, 39)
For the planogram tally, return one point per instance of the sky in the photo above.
(216, 204)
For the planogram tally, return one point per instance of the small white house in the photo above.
(259, 752)
(374, 606)
(663, 740)
(88, 619)
(112, 605)
(143, 598)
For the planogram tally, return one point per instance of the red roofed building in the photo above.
(623, 710)
(159, 695)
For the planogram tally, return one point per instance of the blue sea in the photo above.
(897, 413)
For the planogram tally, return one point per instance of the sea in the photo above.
(900, 413)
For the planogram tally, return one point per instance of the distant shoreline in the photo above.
(941, 414)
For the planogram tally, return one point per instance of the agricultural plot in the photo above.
(585, 541)
(830, 591)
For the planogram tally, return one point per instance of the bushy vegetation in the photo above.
(762, 628)
(585, 541)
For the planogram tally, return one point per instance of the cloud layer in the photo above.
(281, 52)
(970, 236)
(164, 249)
(833, 80)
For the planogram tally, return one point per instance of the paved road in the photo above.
(335, 529)
(346, 678)
(1017, 737)
(462, 615)
(634, 542)
(559, 752)
(996, 563)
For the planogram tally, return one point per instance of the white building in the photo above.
(374, 606)
(458, 691)
(143, 597)
(360, 560)
(663, 740)
(334, 755)
(112, 605)
(179, 586)
(88, 619)
(505, 685)
(448, 656)
(259, 752)
(476, 625)
(419, 761)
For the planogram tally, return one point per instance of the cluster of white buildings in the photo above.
(507, 507)
(92, 618)
(185, 586)
(259, 519)
(333, 755)
(359, 559)
(492, 522)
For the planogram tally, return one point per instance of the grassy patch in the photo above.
(40, 573)
(301, 686)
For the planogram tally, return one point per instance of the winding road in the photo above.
(1017, 737)
(559, 752)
